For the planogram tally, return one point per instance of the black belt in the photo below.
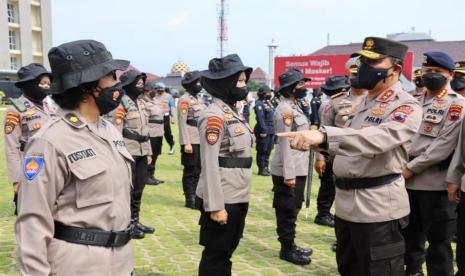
(156, 121)
(192, 122)
(364, 183)
(235, 162)
(134, 136)
(91, 236)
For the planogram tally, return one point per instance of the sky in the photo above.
(154, 34)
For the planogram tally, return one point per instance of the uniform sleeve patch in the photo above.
(287, 118)
(184, 105)
(455, 110)
(32, 166)
(213, 129)
(401, 113)
(12, 120)
(119, 115)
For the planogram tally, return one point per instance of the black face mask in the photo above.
(457, 84)
(239, 93)
(418, 82)
(153, 94)
(268, 97)
(34, 92)
(196, 89)
(109, 98)
(368, 76)
(434, 81)
(300, 92)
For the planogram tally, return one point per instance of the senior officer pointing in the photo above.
(432, 217)
(74, 194)
(225, 146)
(371, 200)
(27, 115)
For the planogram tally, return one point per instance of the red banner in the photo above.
(319, 67)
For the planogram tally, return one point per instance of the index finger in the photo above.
(286, 134)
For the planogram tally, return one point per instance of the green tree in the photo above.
(253, 85)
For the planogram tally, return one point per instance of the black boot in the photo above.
(292, 256)
(135, 232)
(144, 228)
(190, 201)
(152, 181)
(303, 251)
(334, 246)
(325, 220)
(262, 172)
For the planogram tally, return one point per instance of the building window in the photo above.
(35, 16)
(12, 12)
(15, 64)
(14, 39)
(36, 42)
(37, 59)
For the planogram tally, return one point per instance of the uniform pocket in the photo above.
(238, 141)
(92, 185)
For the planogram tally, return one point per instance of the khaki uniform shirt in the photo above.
(77, 174)
(287, 162)
(189, 110)
(337, 110)
(435, 141)
(132, 117)
(375, 143)
(223, 133)
(154, 111)
(456, 171)
(19, 126)
(165, 99)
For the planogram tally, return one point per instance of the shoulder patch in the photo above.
(213, 129)
(287, 118)
(184, 105)
(119, 115)
(32, 165)
(401, 113)
(12, 120)
(454, 113)
(18, 104)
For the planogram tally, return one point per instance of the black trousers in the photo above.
(287, 203)
(264, 147)
(191, 171)
(370, 249)
(139, 177)
(220, 241)
(432, 218)
(327, 191)
(156, 144)
(460, 250)
(168, 134)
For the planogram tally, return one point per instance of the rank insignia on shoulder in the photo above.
(213, 129)
(386, 96)
(74, 120)
(455, 110)
(32, 166)
(287, 118)
(12, 120)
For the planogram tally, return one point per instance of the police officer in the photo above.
(244, 109)
(456, 194)
(289, 168)
(25, 117)
(74, 194)
(154, 110)
(335, 113)
(371, 199)
(168, 104)
(264, 129)
(315, 104)
(190, 107)
(225, 146)
(432, 217)
(136, 137)
(420, 88)
(458, 82)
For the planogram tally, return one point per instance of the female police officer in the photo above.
(74, 194)
(225, 145)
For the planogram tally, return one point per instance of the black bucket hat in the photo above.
(263, 89)
(220, 68)
(81, 61)
(336, 83)
(191, 77)
(130, 76)
(31, 72)
(149, 85)
(290, 77)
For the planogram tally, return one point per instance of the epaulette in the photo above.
(18, 104)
